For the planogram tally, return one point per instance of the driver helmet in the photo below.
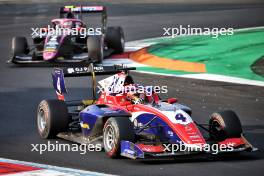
(70, 15)
(68, 24)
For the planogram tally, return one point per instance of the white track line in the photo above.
(149, 41)
(211, 77)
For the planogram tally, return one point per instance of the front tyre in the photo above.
(52, 118)
(19, 46)
(223, 125)
(115, 130)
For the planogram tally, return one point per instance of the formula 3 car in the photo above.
(133, 124)
(69, 39)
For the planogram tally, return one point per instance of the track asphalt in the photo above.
(21, 89)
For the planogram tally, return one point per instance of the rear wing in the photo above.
(94, 69)
(59, 74)
(85, 9)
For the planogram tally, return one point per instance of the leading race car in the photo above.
(70, 39)
(133, 123)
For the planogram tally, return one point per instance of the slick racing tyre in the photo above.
(19, 46)
(115, 39)
(223, 125)
(115, 130)
(95, 48)
(52, 118)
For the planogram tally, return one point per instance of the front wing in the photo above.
(141, 151)
(30, 60)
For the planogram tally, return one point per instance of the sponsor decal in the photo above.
(85, 125)
(77, 70)
(49, 50)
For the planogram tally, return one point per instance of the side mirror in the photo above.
(172, 100)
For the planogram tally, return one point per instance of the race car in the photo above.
(69, 39)
(131, 123)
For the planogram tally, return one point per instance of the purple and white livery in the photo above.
(69, 39)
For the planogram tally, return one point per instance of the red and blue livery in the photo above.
(134, 124)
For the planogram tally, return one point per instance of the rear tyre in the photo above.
(223, 125)
(19, 46)
(115, 39)
(115, 130)
(95, 48)
(52, 118)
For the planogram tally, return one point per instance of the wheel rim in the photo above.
(123, 42)
(109, 139)
(41, 120)
(216, 126)
(217, 130)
